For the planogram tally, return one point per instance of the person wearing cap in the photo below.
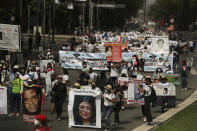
(60, 94)
(147, 102)
(184, 75)
(109, 102)
(40, 123)
(17, 90)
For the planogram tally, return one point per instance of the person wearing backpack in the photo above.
(149, 98)
(184, 75)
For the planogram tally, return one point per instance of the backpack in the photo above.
(152, 98)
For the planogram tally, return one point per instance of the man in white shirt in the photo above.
(114, 73)
(109, 101)
(92, 74)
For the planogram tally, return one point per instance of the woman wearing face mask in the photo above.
(109, 101)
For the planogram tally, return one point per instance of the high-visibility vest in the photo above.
(16, 85)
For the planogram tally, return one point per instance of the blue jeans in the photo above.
(184, 82)
(107, 113)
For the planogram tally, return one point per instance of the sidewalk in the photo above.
(167, 115)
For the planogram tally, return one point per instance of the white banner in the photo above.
(3, 100)
(167, 89)
(84, 109)
(9, 37)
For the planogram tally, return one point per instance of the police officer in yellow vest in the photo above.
(17, 90)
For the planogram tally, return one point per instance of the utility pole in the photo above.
(44, 26)
(49, 28)
(90, 15)
(37, 15)
(144, 10)
(53, 34)
(21, 11)
(29, 13)
(83, 17)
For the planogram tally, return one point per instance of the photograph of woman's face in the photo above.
(85, 110)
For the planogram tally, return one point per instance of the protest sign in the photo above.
(174, 79)
(73, 60)
(84, 108)
(135, 92)
(160, 44)
(113, 52)
(10, 37)
(43, 64)
(33, 102)
(189, 62)
(124, 41)
(167, 89)
(3, 100)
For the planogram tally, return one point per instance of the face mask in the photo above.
(36, 122)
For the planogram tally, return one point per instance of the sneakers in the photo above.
(11, 114)
(144, 119)
(148, 123)
(59, 119)
(17, 114)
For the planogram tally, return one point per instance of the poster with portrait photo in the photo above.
(135, 92)
(160, 44)
(167, 89)
(113, 52)
(84, 109)
(3, 100)
(32, 102)
(124, 41)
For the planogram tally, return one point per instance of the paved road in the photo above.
(130, 118)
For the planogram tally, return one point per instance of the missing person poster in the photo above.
(3, 100)
(10, 37)
(84, 109)
(113, 52)
(33, 102)
(167, 89)
(135, 92)
(160, 44)
(124, 41)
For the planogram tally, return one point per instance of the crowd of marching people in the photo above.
(57, 85)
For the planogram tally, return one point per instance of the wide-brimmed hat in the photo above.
(16, 67)
(76, 85)
(108, 87)
(163, 78)
(148, 78)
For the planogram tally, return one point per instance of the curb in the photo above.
(170, 113)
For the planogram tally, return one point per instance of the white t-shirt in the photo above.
(24, 78)
(93, 76)
(109, 96)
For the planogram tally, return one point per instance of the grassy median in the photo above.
(186, 120)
